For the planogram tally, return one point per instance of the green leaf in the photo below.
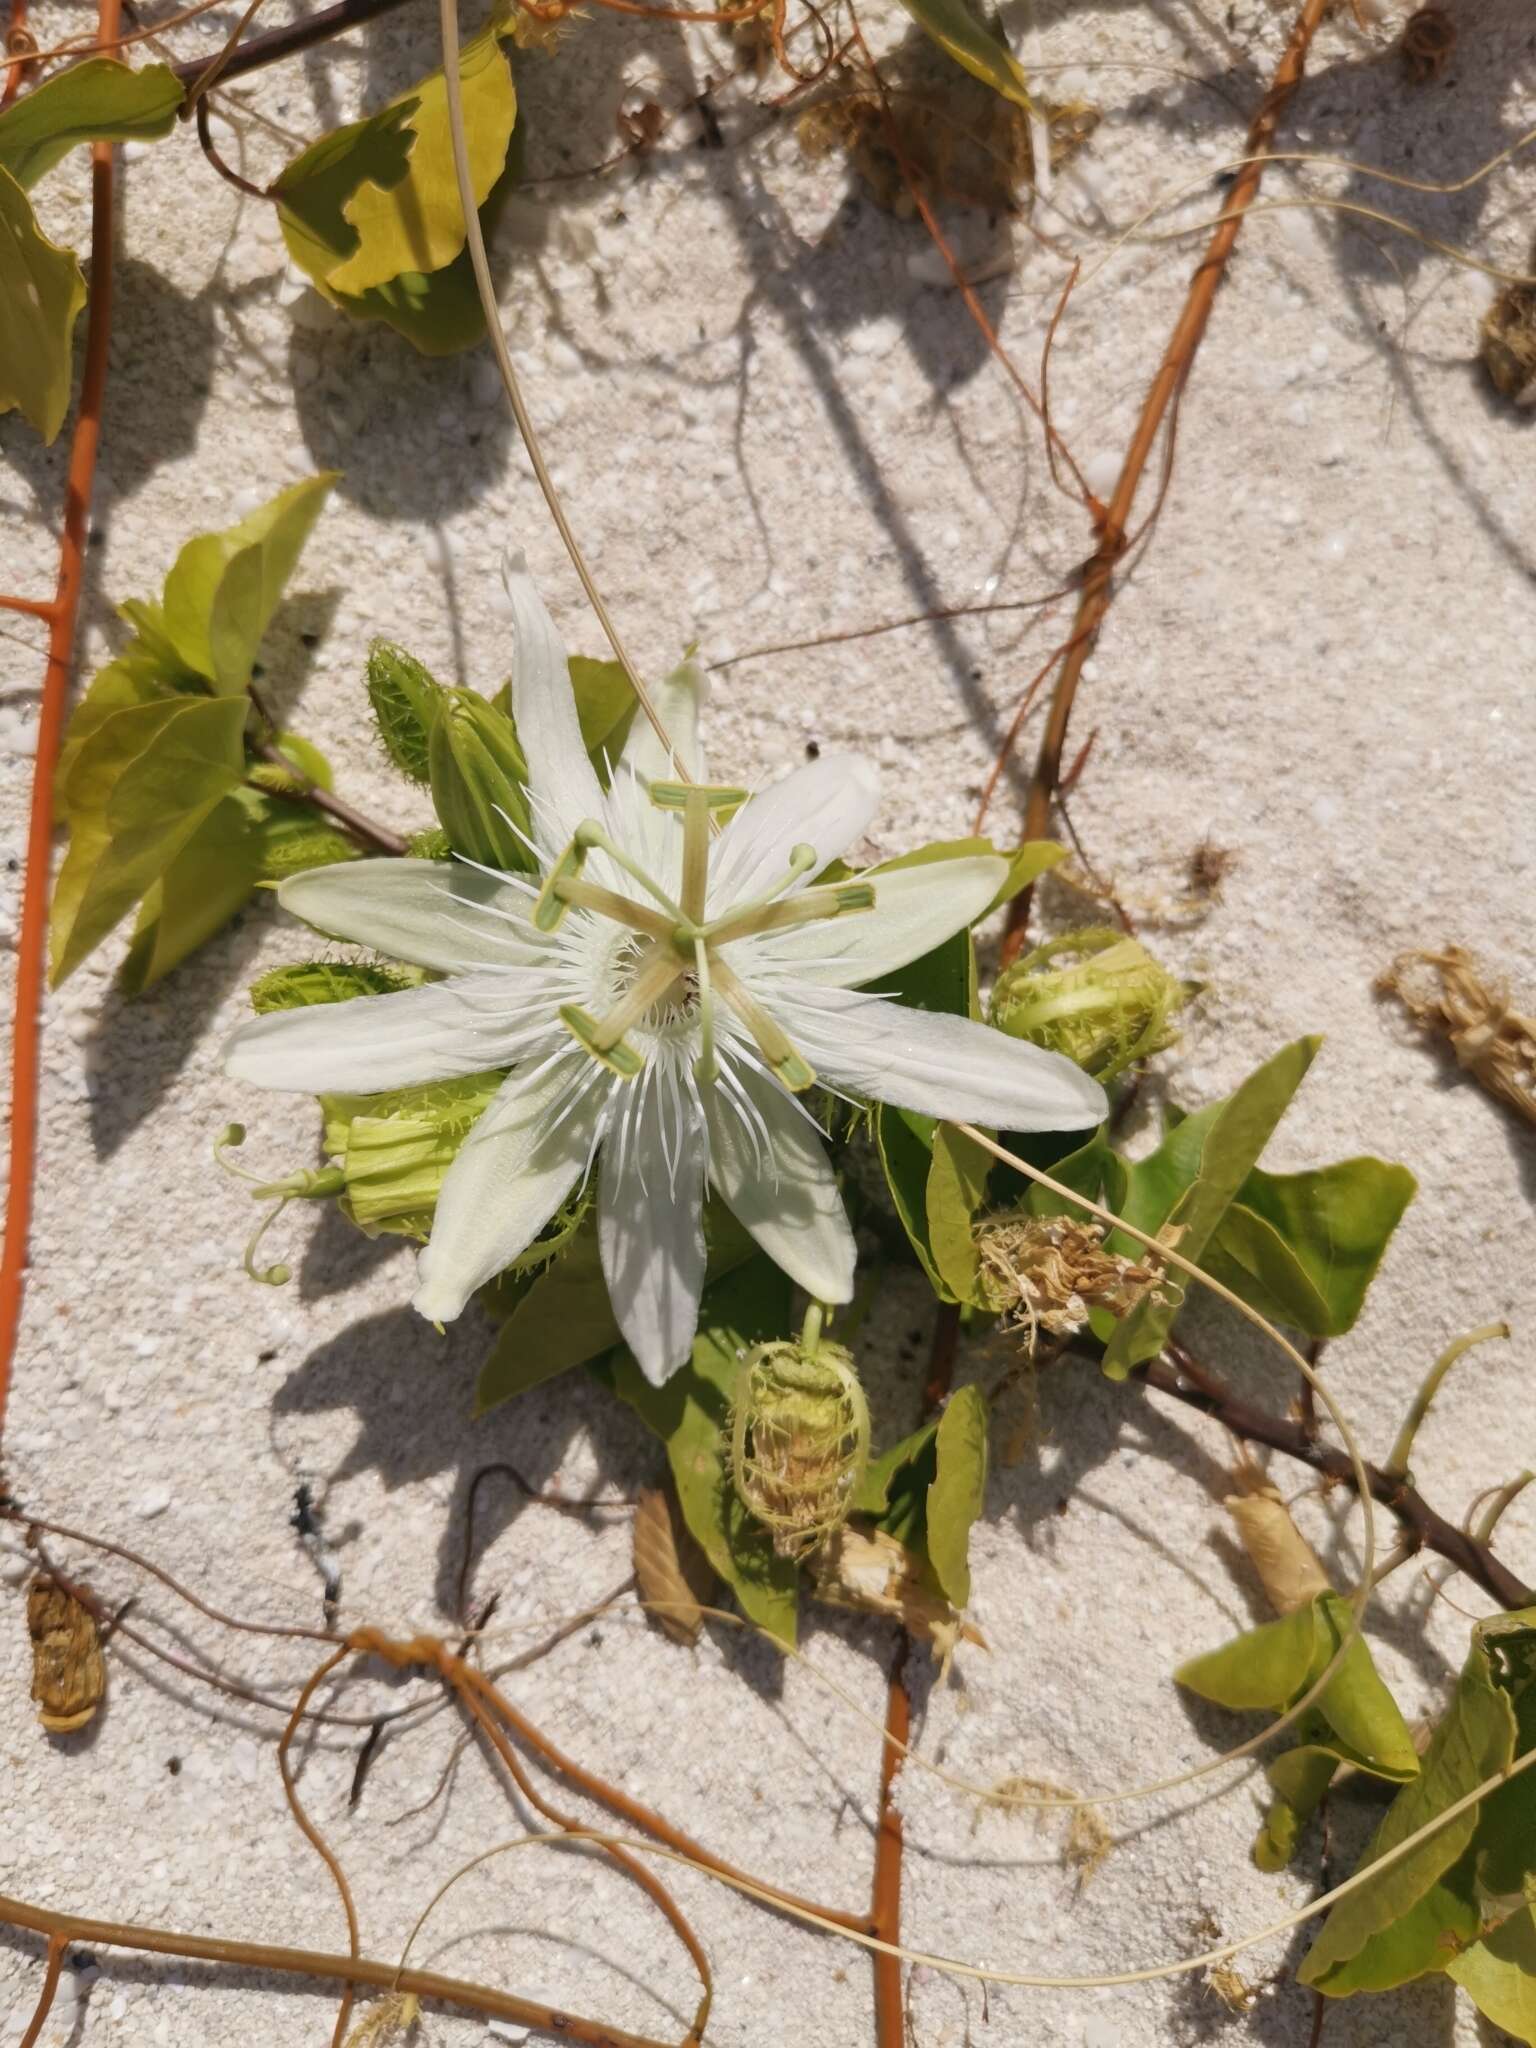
(960, 35)
(691, 1415)
(904, 1142)
(211, 879)
(1273, 1665)
(1423, 1911)
(955, 1189)
(565, 1317)
(956, 1495)
(41, 292)
(1190, 1181)
(100, 100)
(605, 707)
(1498, 1974)
(140, 786)
(927, 1491)
(224, 587)
(371, 212)
(1302, 1248)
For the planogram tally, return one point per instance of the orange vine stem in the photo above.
(62, 615)
(1173, 372)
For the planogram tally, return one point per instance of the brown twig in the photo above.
(885, 1902)
(377, 837)
(1429, 1530)
(296, 1962)
(1172, 374)
(40, 2012)
(283, 42)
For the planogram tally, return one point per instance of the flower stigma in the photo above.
(678, 943)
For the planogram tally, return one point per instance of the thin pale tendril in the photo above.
(448, 15)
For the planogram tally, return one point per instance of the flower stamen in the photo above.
(814, 907)
(605, 1037)
(789, 1065)
(696, 801)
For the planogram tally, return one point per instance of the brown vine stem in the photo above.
(278, 43)
(891, 2030)
(1173, 372)
(356, 1971)
(40, 2012)
(378, 837)
(1176, 1374)
(61, 616)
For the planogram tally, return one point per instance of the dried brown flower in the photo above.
(1508, 346)
(1047, 1272)
(1490, 1038)
(1429, 39)
(69, 1673)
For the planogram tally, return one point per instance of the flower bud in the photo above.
(478, 778)
(799, 1441)
(393, 1150)
(1105, 1009)
(405, 700)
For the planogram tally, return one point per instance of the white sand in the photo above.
(767, 426)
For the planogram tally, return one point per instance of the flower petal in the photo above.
(371, 1043)
(779, 1185)
(652, 837)
(434, 913)
(650, 1228)
(678, 699)
(565, 786)
(827, 805)
(916, 909)
(510, 1176)
(942, 1066)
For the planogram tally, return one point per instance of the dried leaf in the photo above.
(69, 1674)
(674, 1574)
(1492, 1040)
(1285, 1561)
(875, 1574)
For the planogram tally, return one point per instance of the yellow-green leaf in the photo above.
(1191, 1180)
(1498, 1974)
(983, 53)
(416, 223)
(371, 212)
(100, 100)
(201, 890)
(137, 791)
(224, 587)
(957, 1184)
(1423, 1910)
(958, 1490)
(41, 293)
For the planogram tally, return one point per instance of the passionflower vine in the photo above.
(665, 986)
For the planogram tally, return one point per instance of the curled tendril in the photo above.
(308, 1184)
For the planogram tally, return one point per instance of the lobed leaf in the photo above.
(100, 100)
(1190, 1182)
(1425, 1911)
(212, 878)
(42, 290)
(224, 587)
(371, 212)
(1303, 1248)
(138, 789)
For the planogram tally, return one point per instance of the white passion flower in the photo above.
(664, 991)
